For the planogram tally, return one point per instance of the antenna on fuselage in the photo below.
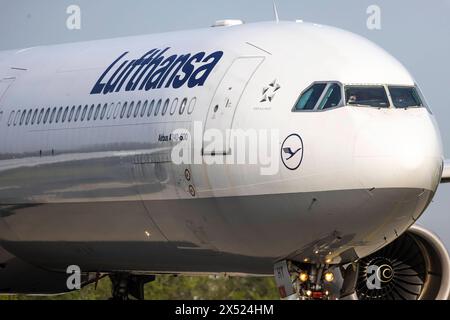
(275, 11)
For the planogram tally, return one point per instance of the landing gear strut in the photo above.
(125, 285)
(305, 281)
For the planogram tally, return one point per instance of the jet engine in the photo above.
(416, 266)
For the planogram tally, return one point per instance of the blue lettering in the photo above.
(141, 62)
(200, 75)
(98, 87)
(158, 74)
(188, 68)
(154, 71)
(153, 64)
(112, 82)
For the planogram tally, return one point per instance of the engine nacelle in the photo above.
(416, 266)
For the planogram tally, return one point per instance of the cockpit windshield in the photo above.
(327, 95)
(371, 96)
(405, 97)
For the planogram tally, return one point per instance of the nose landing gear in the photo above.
(125, 285)
(304, 281)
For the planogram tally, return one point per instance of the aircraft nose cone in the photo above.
(399, 150)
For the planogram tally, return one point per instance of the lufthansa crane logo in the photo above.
(292, 151)
(269, 92)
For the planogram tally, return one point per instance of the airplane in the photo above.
(90, 174)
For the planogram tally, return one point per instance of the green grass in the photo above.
(167, 287)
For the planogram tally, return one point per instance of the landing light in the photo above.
(328, 276)
(303, 276)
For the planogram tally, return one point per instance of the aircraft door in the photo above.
(226, 99)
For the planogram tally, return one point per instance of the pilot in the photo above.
(352, 99)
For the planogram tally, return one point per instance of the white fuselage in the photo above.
(105, 193)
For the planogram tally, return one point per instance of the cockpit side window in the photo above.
(405, 97)
(422, 99)
(332, 97)
(310, 97)
(370, 96)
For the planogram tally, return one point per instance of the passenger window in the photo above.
(165, 107)
(158, 106)
(77, 115)
(370, 96)
(144, 108)
(150, 108)
(182, 106)
(130, 109)
(309, 98)
(22, 118)
(83, 115)
(41, 114)
(47, 114)
(124, 109)
(105, 107)
(405, 97)
(34, 116)
(72, 111)
(332, 97)
(116, 110)
(138, 107)
(97, 111)
(53, 115)
(64, 117)
(174, 106)
(58, 116)
(91, 111)
(30, 112)
(192, 105)
(110, 110)
(16, 119)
